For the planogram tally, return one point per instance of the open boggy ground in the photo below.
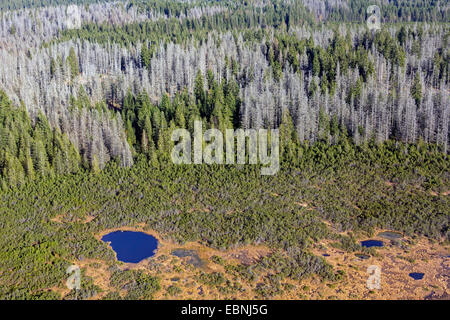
(179, 279)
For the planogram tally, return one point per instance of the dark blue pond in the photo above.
(416, 275)
(131, 246)
(372, 243)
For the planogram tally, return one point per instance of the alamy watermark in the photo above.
(208, 147)
(374, 279)
(73, 20)
(74, 280)
(373, 21)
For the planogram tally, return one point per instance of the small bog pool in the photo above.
(390, 235)
(372, 243)
(131, 246)
(416, 275)
(362, 256)
(191, 255)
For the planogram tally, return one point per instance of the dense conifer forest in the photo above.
(87, 111)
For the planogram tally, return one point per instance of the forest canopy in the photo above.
(87, 111)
